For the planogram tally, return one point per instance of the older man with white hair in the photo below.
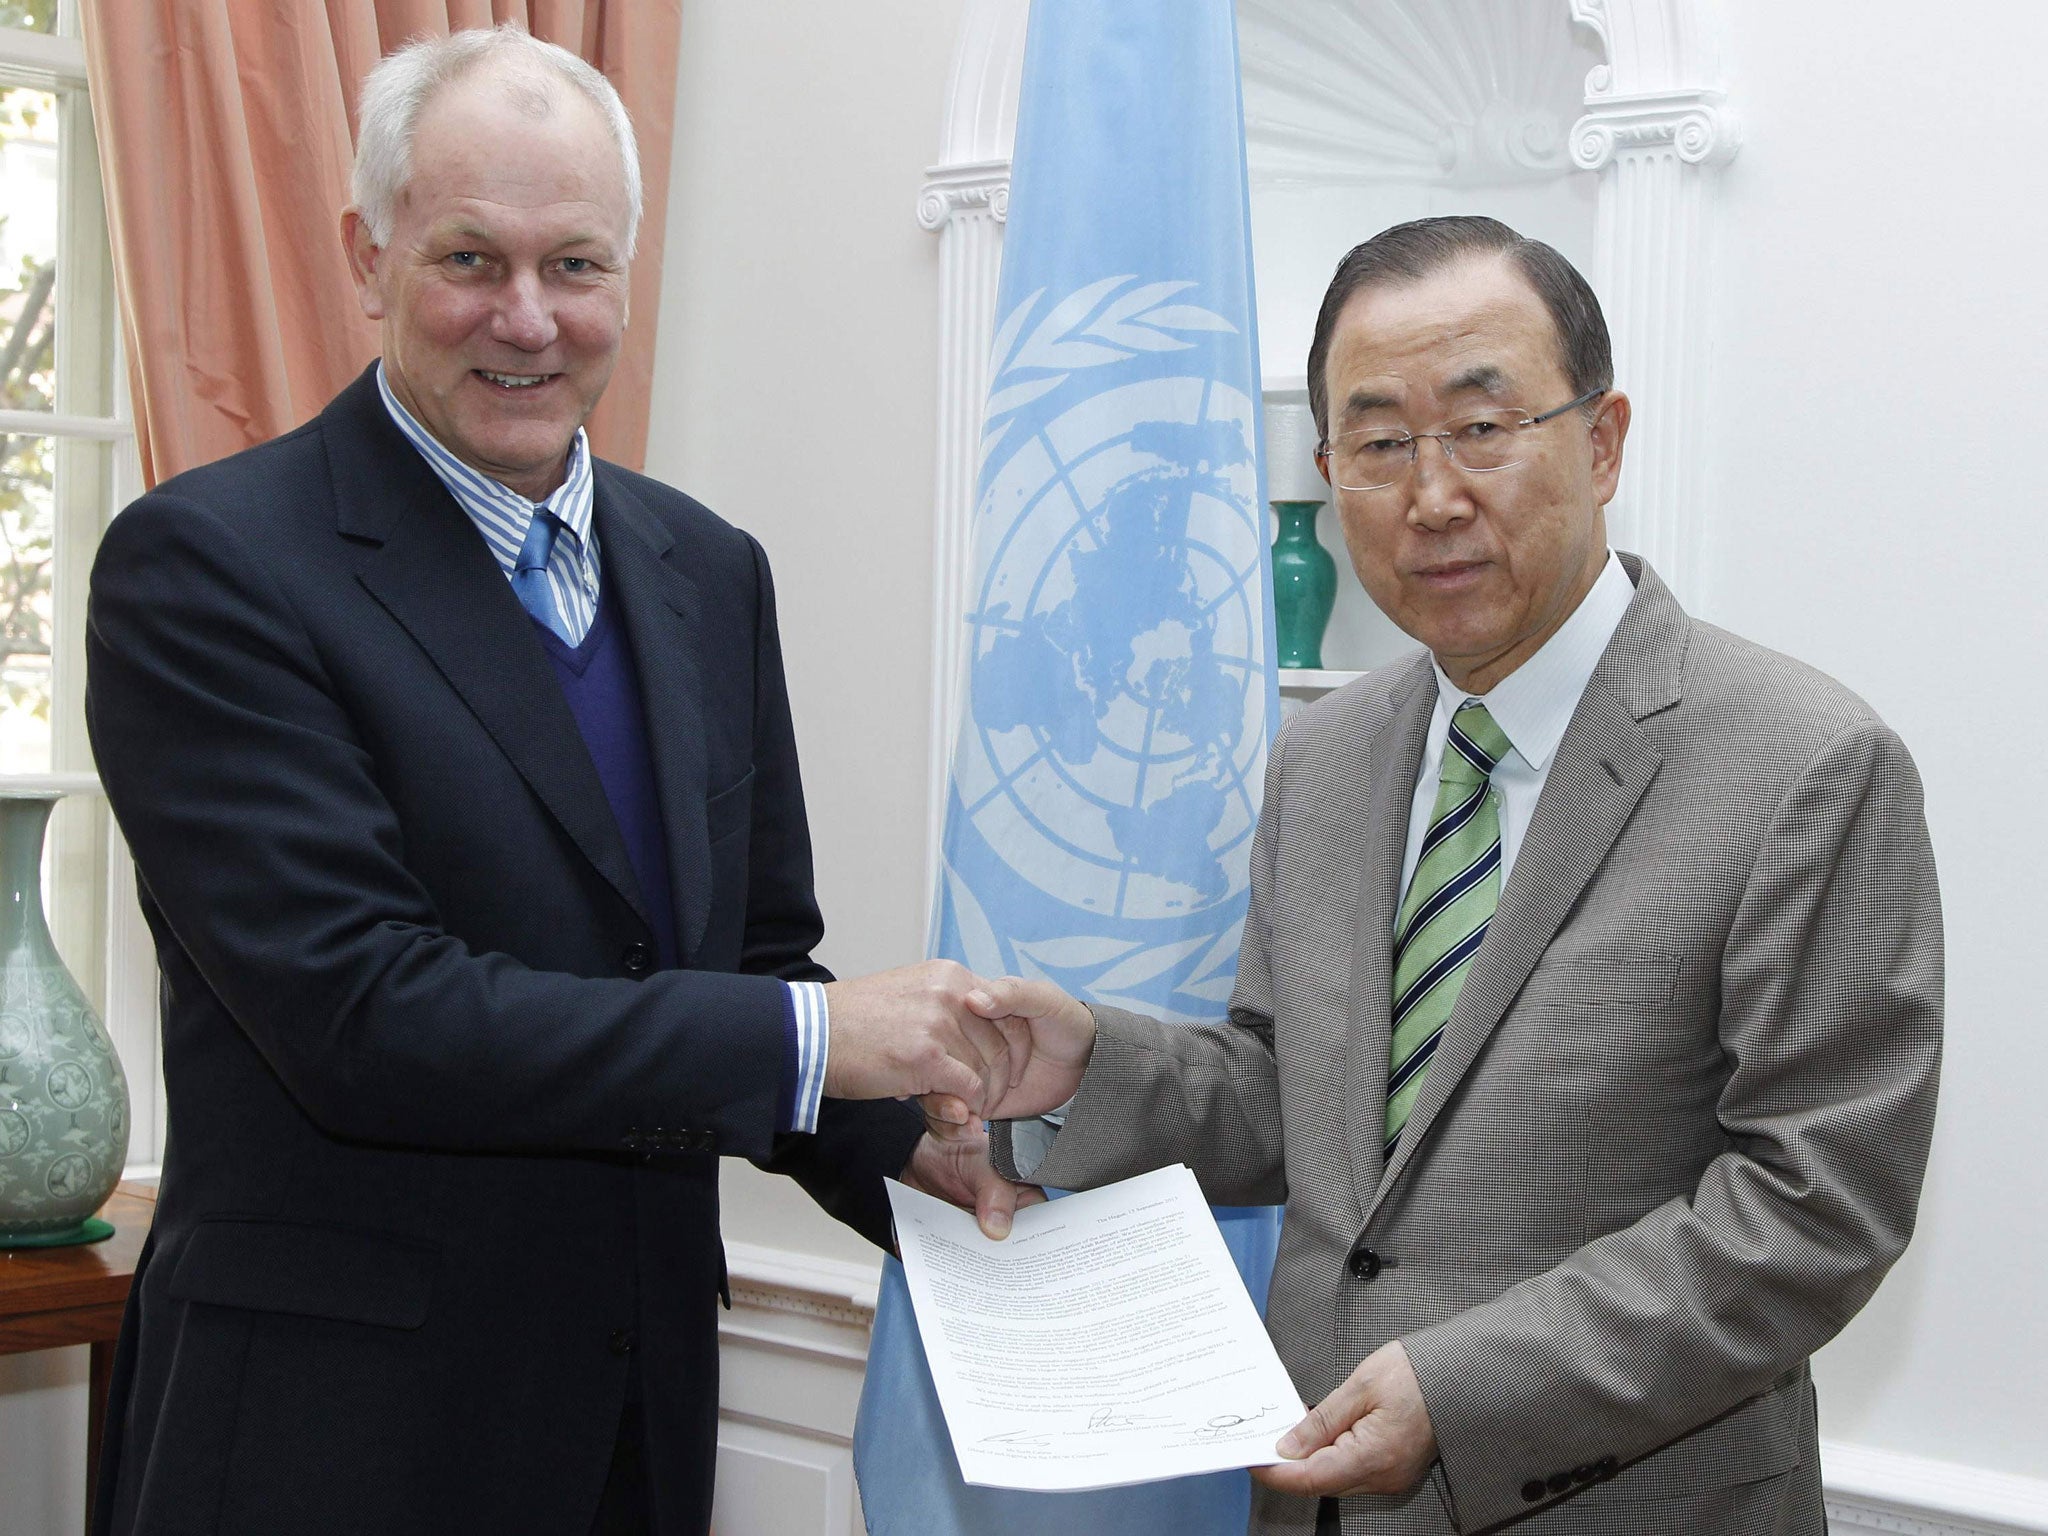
(459, 774)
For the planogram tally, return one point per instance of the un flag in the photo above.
(1105, 785)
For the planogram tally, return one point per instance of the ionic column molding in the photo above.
(965, 201)
(966, 205)
(1656, 127)
(1694, 125)
(956, 191)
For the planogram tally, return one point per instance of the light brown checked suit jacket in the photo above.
(1674, 1133)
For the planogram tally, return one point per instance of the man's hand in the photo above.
(912, 1031)
(957, 1171)
(1060, 1037)
(1371, 1435)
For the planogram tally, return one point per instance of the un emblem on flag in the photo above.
(1117, 696)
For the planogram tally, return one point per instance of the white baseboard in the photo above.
(1892, 1493)
(791, 1356)
(801, 1282)
(814, 1314)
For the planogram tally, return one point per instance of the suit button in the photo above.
(1364, 1263)
(631, 1140)
(1583, 1474)
(1560, 1481)
(638, 959)
(707, 1141)
(620, 1342)
(1532, 1490)
(1606, 1466)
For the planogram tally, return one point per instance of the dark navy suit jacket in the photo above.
(443, 1139)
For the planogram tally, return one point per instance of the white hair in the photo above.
(401, 84)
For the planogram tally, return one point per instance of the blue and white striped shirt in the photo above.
(503, 516)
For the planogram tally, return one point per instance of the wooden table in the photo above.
(53, 1297)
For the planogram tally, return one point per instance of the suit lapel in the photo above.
(426, 564)
(1604, 765)
(1392, 764)
(662, 611)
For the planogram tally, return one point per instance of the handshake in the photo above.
(968, 1050)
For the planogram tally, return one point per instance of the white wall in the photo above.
(794, 392)
(1879, 512)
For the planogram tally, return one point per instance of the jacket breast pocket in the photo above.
(1597, 1028)
(1624, 978)
(342, 1274)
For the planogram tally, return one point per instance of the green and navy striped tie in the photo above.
(1451, 899)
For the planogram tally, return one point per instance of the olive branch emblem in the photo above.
(1108, 321)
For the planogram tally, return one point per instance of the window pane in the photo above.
(47, 486)
(28, 248)
(29, 15)
(28, 525)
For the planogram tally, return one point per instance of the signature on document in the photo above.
(1226, 1423)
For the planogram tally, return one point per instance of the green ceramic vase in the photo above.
(63, 1096)
(1304, 586)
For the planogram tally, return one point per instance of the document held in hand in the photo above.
(1108, 1340)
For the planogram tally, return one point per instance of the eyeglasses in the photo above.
(1373, 458)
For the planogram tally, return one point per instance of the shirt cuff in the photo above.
(809, 1033)
(1031, 1140)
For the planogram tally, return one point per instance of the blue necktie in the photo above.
(530, 576)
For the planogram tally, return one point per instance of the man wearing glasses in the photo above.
(1589, 1011)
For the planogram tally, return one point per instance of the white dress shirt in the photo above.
(1532, 705)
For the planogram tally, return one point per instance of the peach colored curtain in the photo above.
(226, 132)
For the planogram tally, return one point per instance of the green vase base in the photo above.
(91, 1230)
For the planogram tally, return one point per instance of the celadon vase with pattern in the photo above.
(63, 1096)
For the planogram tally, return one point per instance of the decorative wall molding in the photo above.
(779, 1280)
(1694, 124)
(1847, 1522)
(970, 264)
(981, 94)
(965, 200)
(1451, 92)
(1656, 125)
(1651, 45)
(981, 186)
(1870, 1490)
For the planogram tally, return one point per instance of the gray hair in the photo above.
(401, 84)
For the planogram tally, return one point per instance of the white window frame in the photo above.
(90, 880)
